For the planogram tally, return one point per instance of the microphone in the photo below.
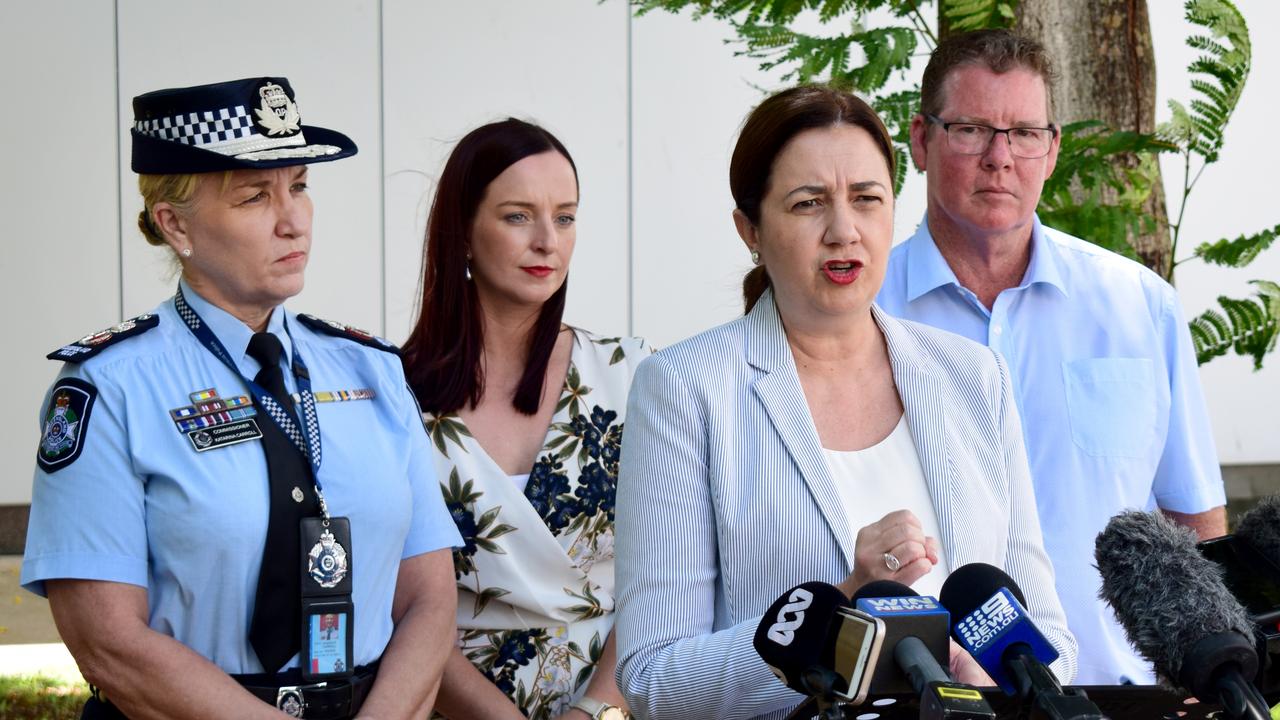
(917, 629)
(1177, 612)
(820, 646)
(994, 627)
(1260, 527)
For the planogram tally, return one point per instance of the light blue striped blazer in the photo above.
(725, 501)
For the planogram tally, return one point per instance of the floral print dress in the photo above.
(535, 576)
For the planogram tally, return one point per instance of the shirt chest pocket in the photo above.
(1112, 405)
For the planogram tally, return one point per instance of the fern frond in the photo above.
(1249, 327)
(965, 15)
(1238, 252)
(1219, 75)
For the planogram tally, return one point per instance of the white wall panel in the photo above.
(690, 97)
(60, 249)
(450, 67)
(329, 51)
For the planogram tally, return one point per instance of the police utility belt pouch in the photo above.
(328, 615)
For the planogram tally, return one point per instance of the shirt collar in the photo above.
(927, 269)
(233, 333)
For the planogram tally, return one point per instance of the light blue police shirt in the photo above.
(141, 506)
(1110, 399)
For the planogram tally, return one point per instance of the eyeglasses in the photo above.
(975, 138)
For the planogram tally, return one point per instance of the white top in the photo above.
(521, 481)
(883, 478)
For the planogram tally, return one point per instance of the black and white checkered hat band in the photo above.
(229, 131)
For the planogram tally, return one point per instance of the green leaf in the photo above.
(965, 15)
(1218, 77)
(1239, 252)
(489, 546)
(1249, 327)
(485, 520)
(485, 597)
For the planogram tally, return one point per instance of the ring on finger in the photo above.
(892, 562)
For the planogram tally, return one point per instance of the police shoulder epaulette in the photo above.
(337, 329)
(90, 345)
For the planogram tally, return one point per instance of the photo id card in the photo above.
(328, 630)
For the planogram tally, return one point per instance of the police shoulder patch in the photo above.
(337, 329)
(94, 343)
(65, 423)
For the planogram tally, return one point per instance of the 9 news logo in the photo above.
(988, 621)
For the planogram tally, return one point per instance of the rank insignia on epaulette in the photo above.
(65, 423)
(212, 422)
(329, 327)
(94, 343)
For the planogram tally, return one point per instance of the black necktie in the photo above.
(275, 631)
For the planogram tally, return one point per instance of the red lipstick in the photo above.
(842, 272)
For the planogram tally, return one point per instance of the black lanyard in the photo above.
(306, 437)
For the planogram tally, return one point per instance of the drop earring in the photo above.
(755, 257)
(466, 267)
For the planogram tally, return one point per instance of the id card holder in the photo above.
(328, 615)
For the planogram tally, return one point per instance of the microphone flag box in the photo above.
(856, 651)
(920, 616)
(993, 628)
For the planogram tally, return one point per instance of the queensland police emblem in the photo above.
(327, 561)
(277, 115)
(65, 423)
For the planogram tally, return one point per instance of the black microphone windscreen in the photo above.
(971, 585)
(796, 632)
(1165, 593)
(1260, 527)
(883, 589)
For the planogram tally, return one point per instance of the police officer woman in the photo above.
(235, 512)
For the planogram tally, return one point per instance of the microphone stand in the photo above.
(1240, 699)
(1042, 696)
(820, 684)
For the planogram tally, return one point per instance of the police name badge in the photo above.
(328, 615)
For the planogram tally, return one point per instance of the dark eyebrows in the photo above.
(808, 190)
(531, 206)
(822, 189)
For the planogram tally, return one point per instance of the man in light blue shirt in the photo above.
(1102, 361)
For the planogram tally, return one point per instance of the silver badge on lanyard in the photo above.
(327, 561)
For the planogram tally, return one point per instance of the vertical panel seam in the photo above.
(382, 167)
(115, 39)
(631, 254)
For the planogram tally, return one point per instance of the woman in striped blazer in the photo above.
(815, 438)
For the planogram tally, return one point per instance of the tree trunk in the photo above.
(1106, 71)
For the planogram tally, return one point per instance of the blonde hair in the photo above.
(179, 190)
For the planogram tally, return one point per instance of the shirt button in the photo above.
(996, 329)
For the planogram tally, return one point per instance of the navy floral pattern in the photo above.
(535, 572)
